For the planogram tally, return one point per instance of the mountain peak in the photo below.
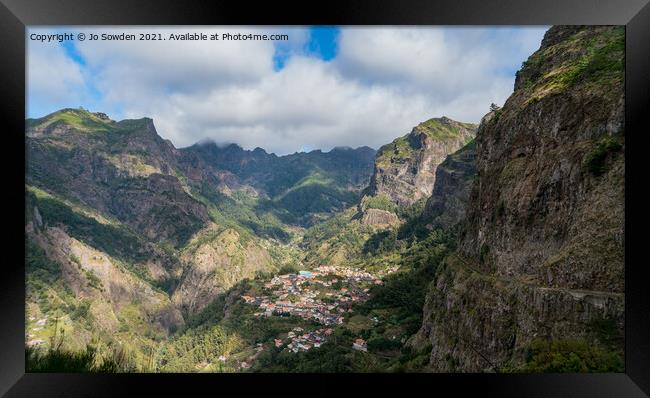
(79, 119)
(420, 151)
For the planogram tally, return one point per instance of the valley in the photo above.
(495, 247)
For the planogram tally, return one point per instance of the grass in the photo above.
(603, 60)
(79, 119)
(439, 131)
(381, 202)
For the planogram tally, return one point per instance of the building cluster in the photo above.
(324, 295)
(300, 340)
(292, 295)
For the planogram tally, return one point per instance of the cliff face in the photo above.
(445, 208)
(549, 199)
(541, 248)
(405, 169)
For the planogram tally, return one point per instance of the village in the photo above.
(324, 295)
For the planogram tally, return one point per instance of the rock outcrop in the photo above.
(405, 169)
(379, 217)
(541, 251)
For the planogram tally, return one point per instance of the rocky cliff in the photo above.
(446, 206)
(541, 252)
(405, 168)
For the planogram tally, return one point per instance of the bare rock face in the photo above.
(446, 206)
(379, 217)
(542, 246)
(405, 169)
(483, 323)
(549, 199)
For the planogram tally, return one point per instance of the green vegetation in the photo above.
(242, 212)
(596, 160)
(57, 359)
(440, 131)
(43, 282)
(404, 291)
(397, 151)
(571, 355)
(396, 305)
(299, 210)
(602, 61)
(604, 58)
(62, 361)
(403, 148)
(37, 262)
(302, 188)
(79, 119)
(201, 346)
(607, 333)
(381, 202)
(114, 240)
(332, 357)
(93, 280)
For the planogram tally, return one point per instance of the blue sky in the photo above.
(326, 86)
(321, 44)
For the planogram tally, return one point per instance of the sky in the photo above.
(324, 87)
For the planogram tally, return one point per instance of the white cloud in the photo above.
(383, 82)
(53, 77)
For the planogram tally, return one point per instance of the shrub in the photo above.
(571, 355)
(596, 160)
(382, 344)
(63, 361)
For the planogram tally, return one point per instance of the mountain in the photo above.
(405, 168)
(302, 187)
(129, 236)
(537, 281)
(121, 169)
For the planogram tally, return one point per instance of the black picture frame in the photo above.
(15, 15)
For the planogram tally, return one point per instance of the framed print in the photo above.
(352, 196)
